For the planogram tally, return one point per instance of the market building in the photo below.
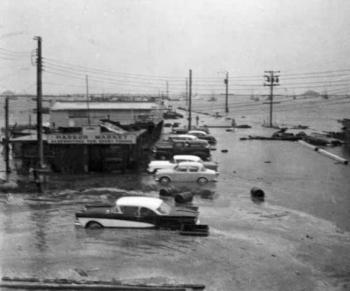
(93, 137)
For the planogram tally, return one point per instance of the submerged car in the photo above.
(137, 212)
(186, 172)
(153, 166)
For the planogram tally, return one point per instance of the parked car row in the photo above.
(184, 158)
(201, 133)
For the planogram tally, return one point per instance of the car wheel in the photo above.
(94, 225)
(202, 181)
(164, 180)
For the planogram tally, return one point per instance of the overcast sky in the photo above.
(167, 38)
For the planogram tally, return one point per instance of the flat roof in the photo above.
(82, 105)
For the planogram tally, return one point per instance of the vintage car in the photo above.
(203, 135)
(153, 166)
(165, 150)
(186, 172)
(137, 212)
(187, 137)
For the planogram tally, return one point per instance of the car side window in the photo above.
(145, 212)
(181, 169)
(193, 169)
(130, 210)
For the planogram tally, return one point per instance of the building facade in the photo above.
(93, 137)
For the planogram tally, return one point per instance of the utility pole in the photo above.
(186, 96)
(190, 100)
(87, 99)
(7, 149)
(271, 80)
(167, 90)
(39, 122)
(226, 93)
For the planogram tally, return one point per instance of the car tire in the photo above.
(164, 180)
(94, 225)
(202, 181)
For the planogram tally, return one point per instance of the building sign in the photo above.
(60, 138)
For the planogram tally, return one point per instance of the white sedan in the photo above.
(186, 172)
(153, 166)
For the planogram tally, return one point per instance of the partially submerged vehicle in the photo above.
(137, 212)
(153, 166)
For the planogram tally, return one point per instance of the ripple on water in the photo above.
(138, 243)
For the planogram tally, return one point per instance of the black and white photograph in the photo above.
(175, 145)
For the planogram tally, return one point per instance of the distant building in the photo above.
(94, 136)
(77, 114)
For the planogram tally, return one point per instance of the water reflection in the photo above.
(137, 242)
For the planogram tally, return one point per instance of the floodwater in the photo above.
(298, 239)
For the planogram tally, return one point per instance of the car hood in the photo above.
(165, 171)
(160, 163)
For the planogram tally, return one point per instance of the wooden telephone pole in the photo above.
(6, 141)
(39, 122)
(226, 93)
(190, 100)
(272, 80)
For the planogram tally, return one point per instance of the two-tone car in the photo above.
(137, 212)
(186, 172)
(156, 165)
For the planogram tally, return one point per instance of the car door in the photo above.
(180, 173)
(148, 216)
(193, 173)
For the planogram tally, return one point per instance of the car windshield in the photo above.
(164, 209)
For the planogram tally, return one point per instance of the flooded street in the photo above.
(298, 239)
(98, 97)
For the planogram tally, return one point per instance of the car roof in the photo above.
(197, 131)
(185, 157)
(183, 136)
(140, 201)
(195, 164)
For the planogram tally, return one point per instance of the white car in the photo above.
(187, 137)
(184, 137)
(186, 172)
(153, 166)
